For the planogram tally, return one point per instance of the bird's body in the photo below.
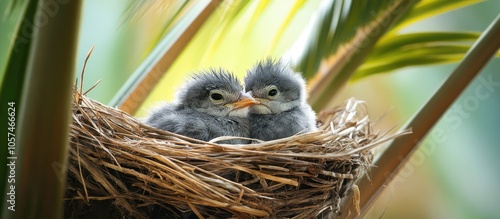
(282, 125)
(210, 105)
(198, 125)
(283, 110)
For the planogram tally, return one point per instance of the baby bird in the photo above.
(283, 110)
(209, 105)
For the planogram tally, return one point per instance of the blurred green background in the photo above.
(455, 173)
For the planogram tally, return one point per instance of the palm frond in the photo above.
(356, 27)
(341, 42)
(404, 49)
(393, 52)
(402, 148)
(429, 8)
(394, 44)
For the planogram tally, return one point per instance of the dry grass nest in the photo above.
(121, 168)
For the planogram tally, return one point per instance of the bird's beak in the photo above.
(245, 101)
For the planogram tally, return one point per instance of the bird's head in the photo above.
(216, 92)
(276, 86)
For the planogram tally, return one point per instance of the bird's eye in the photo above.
(216, 96)
(272, 92)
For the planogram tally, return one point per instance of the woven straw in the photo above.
(121, 168)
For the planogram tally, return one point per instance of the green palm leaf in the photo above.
(403, 147)
(345, 51)
(413, 49)
(394, 44)
(419, 55)
(359, 25)
(428, 8)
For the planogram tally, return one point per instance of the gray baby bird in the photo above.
(283, 110)
(209, 105)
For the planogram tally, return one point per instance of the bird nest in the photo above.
(121, 168)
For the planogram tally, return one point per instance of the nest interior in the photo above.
(121, 168)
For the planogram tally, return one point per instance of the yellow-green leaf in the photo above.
(428, 8)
